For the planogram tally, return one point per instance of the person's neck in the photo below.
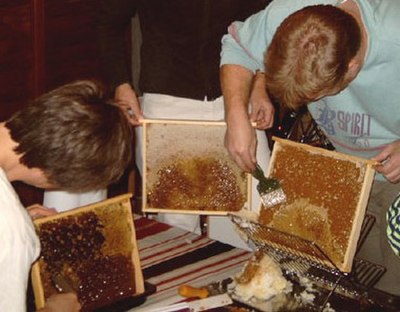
(351, 7)
(9, 160)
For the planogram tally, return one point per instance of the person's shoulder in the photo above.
(295, 5)
(6, 189)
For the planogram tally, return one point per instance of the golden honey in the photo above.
(199, 183)
(322, 197)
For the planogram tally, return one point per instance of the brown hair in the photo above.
(310, 53)
(79, 140)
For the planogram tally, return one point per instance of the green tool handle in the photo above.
(265, 184)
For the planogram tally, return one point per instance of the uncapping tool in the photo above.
(270, 190)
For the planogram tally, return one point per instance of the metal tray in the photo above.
(370, 301)
(301, 258)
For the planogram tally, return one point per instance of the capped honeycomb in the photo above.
(94, 248)
(327, 194)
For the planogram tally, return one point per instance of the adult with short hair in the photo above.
(342, 60)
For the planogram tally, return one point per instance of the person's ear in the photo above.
(354, 68)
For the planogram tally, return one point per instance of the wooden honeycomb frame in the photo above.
(117, 221)
(319, 194)
(166, 142)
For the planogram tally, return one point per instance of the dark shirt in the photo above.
(181, 42)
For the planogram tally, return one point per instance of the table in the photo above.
(171, 257)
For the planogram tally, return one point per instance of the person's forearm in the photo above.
(262, 109)
(259, 82)
(236, 82)
(123, 87)
(240, 138)
(112, 21)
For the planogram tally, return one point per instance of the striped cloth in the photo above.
(393, 229)
(171, 257)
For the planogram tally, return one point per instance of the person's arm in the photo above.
(390, 162)
(126, 98)
(66, 302)
(240, 138)
(245, 98)
(262, 109)
(113, 22)
(38, 211)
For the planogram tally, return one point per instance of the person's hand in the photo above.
(241, 141)
(127, 99)
(240, 136)
(262, 110)
(390, 162)
(65, 302)
(38, 211)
